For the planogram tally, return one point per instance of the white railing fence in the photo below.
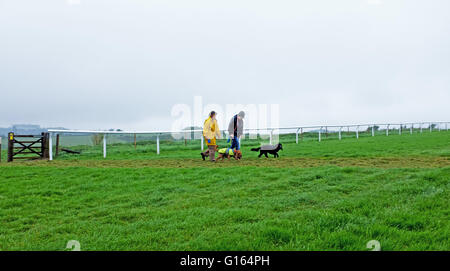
(299, 131)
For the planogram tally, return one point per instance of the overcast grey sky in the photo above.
(124, 64)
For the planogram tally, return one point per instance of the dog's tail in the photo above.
(256, 149)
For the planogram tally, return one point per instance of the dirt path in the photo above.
(377, 162)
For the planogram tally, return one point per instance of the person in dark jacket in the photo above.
(236, 129)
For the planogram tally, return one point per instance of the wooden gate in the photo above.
(22, 146)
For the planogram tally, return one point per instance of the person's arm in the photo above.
(240, 128)
(231, 128)
(217, 130)
(206, 129)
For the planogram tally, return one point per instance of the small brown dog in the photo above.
(237, 154)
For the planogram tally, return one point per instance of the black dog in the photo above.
(272, 149)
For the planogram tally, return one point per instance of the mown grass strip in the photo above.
(307, 162)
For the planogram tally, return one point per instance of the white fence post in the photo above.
(201, 142)
(400, 129)
(296, 136)
(320, 133)
(357, 132)
(50, 147)
(271, 136)
(373, 130)
(411, 128)
(387, 130)
(104, 145)
(340, 133)
(157, 144)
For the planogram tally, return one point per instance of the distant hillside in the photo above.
(30, 129)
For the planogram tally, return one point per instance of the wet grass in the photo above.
(323, 208)
(333, 195)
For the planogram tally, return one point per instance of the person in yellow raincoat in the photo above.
(211, 132)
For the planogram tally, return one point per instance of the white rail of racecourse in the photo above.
(299, 129)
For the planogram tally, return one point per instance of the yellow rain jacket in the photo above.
(211, 131)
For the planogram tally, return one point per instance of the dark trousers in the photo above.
(235, 144)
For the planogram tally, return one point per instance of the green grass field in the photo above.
(332, 195)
